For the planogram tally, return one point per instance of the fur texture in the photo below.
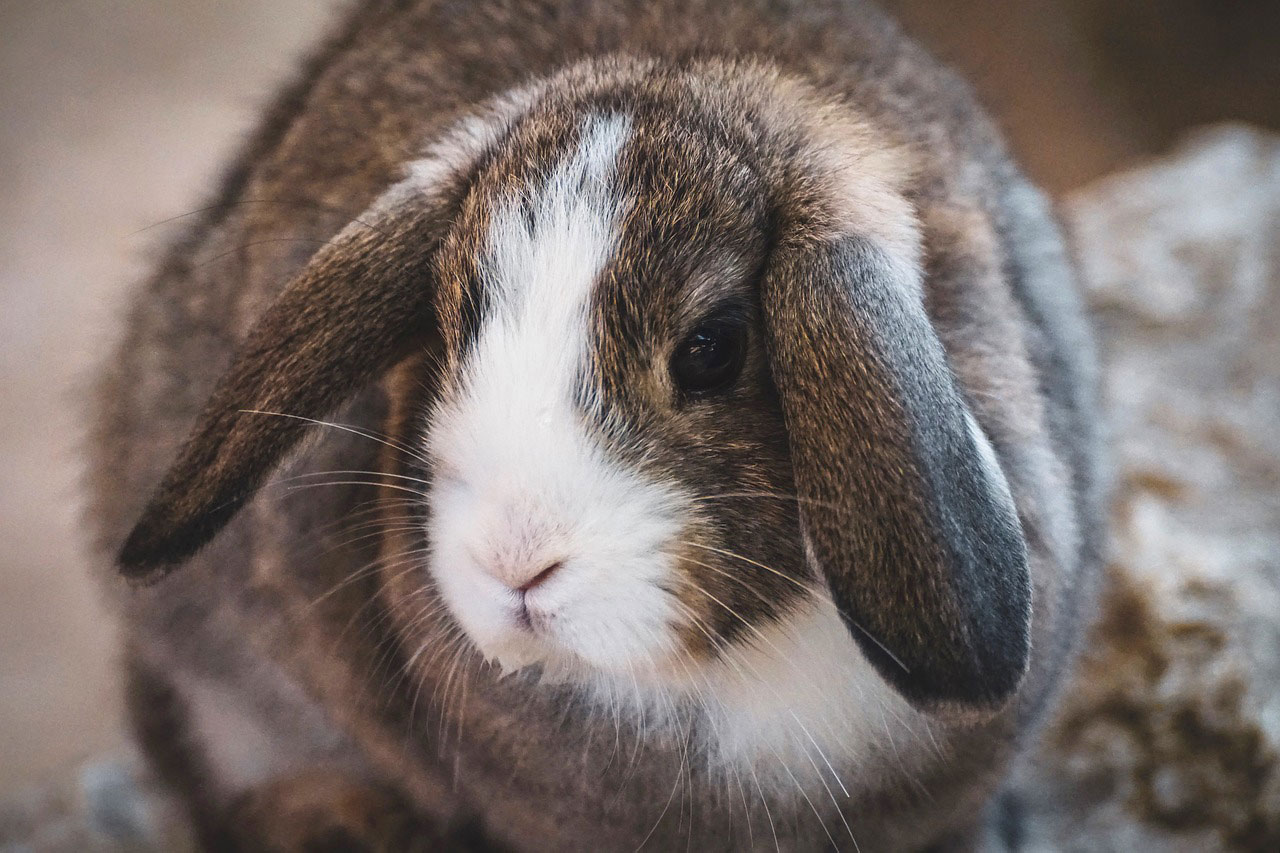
(824, 606)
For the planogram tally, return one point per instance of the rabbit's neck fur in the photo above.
(796, 709)
(801, 704)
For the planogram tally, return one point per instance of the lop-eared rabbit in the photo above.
(700, 444)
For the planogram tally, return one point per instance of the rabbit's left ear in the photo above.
(905, 510)
(358, 306)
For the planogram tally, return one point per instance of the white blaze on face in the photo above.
(522, 482)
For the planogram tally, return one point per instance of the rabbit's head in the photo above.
(682, 387)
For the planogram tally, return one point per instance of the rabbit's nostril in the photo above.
(541, 577)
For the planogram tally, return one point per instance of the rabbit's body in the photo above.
(300, 676)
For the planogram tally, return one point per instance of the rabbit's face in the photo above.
(611, 487)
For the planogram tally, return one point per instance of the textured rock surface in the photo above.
(1169, 738)
(1170, 735)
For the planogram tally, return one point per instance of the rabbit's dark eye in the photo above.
(710, 358)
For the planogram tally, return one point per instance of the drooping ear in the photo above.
(353, 310)
(906, 511)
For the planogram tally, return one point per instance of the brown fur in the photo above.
(288, 611)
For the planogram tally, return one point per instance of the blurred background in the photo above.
(116, 116)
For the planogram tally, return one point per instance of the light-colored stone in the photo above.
(1170, 735)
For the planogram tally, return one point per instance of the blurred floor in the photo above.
(116, 116)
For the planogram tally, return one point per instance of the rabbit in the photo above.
(677, 423)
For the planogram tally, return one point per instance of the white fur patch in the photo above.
(799, 703)
(240, 750)
(522, 483)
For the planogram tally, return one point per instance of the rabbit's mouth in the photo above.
(582, 620)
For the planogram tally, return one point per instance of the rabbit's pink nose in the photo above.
(539, 577)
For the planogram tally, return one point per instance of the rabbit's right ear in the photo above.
(356, 308)
(906, 511)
